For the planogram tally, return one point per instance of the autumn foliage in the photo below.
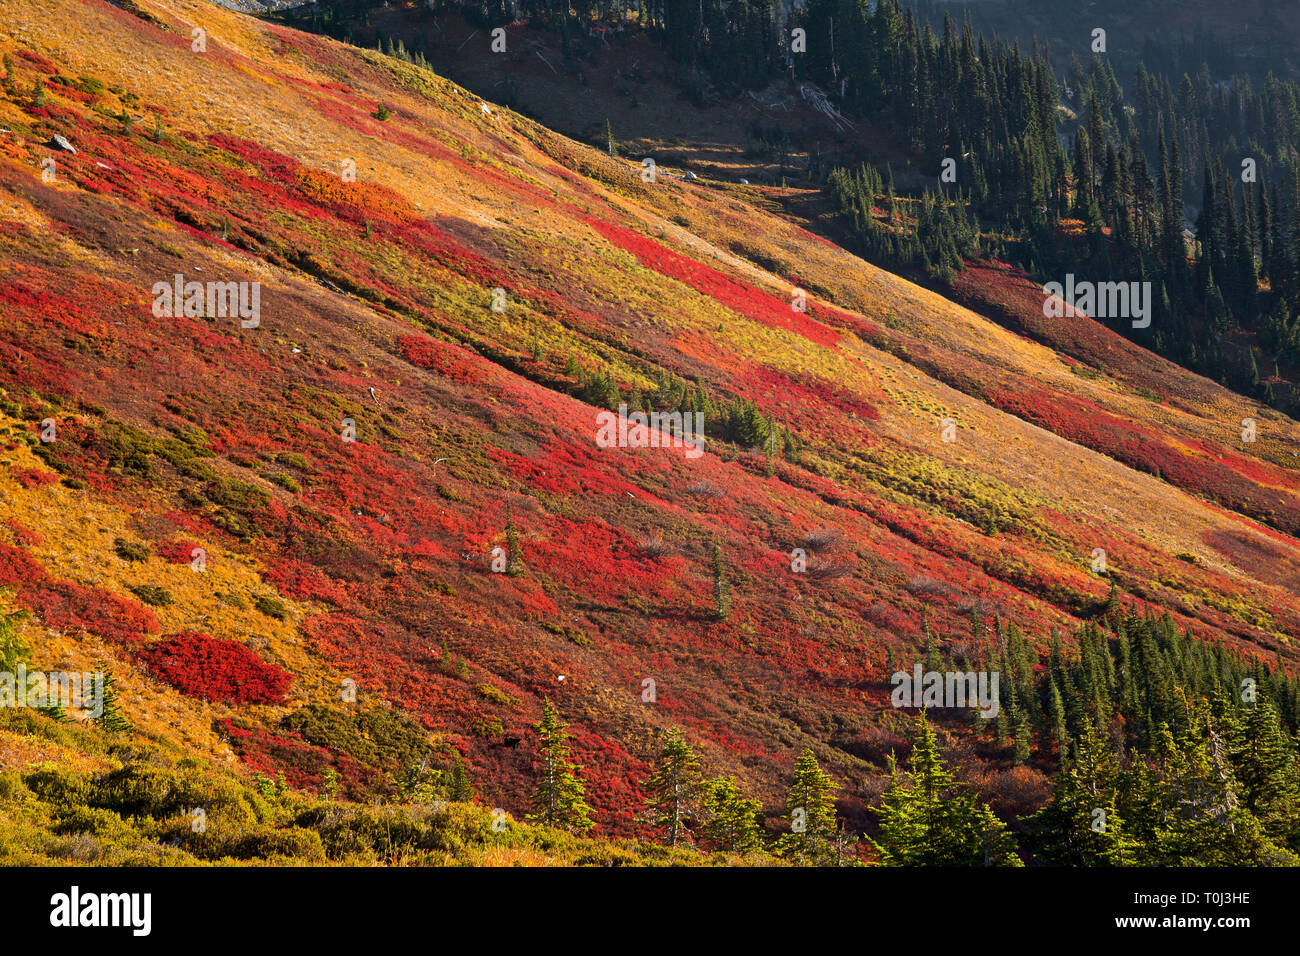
(215, 669)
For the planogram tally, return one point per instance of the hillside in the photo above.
(329, 560)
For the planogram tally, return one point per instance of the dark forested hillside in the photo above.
(1051, 157)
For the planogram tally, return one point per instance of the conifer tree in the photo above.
(54, 710)
(672, 787)
(1020, 731)
(721, 586)
(810, 808)
(1264, 761)
(733, 822)
(111, 717)
(1194, 814)
(514, 551)
(456, 783)
(1055, 724)
(1081, 824)
(927, 820)
(560, 798)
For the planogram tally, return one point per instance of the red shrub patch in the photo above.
(447, 360)
(63, 604)
(35, 477)
(177, 552)
(23, 534)
(304, 582)
(1141, 447)
(44, 63)
(17, 567)
(756, 304)
(215, 669)
(272, 752)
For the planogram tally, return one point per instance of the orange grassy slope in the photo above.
(372, 559)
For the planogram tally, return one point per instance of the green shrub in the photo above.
(131, 550)
(126, 449)
(266, 843)
(152, 594)
(287, 482)
(271, 607)
(496, 695)
(61, 788)
(379, 737)
(12, 787)
(372, 832)
(294, 460)
(239, 495)
(571, 634)
(104, 824)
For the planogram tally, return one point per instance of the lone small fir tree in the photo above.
(110, 717)
(733, 822)
(456, 783)
(560, 799)
(810, 808)
(514, 551)
(672, 787)
(721, 586)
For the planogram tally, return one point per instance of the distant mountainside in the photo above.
(261, 6)
(1256, 37)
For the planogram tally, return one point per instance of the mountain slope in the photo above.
(377, 307)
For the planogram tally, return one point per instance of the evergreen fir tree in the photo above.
(1264, 762)
(732, 820)
(456, 782)
(560, 798)
(721, 586)
(927, 820)
(111, 717)
(810, 807)
(672, 787)
(1081, 824)
(514, 550)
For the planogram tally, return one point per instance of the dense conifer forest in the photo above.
(1189, 181)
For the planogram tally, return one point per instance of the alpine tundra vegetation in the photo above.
(393, 473)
